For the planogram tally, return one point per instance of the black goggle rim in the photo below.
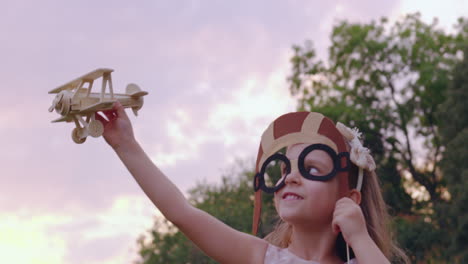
(336, 158)
(261, 175)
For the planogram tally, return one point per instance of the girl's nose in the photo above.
(294, 176)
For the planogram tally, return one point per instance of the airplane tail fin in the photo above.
(134, 91)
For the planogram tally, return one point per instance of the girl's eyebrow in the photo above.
(317, 162)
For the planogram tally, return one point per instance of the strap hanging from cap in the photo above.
(257, 211)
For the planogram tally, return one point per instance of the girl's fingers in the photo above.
(120, 110)
(110, 114)
(344, 200)
(335, 226)
(117, 111)
(348, 218)
(100, 118)
(336, 217)
(339, 213)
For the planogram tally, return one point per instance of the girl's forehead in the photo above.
(293, 152)
(295, 147)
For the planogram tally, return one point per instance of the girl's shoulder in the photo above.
(277, 255)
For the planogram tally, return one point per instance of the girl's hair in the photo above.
(375, 213)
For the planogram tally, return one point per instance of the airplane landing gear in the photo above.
(77, 135)
(95, 128)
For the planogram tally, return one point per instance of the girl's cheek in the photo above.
(316, 188)
(276, 201)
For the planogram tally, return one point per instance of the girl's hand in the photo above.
(117, 126)
(349, 220)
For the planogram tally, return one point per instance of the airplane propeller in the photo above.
(62, 103)
(57, 99)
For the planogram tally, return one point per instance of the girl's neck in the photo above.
(314, 244)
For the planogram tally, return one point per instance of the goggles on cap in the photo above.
(317, 162)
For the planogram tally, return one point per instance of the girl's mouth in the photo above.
(292, 196)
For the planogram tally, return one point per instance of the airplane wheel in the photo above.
(76, 135)
(95, 128)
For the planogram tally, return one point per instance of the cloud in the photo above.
(234, 120)
(75, 234)
(446, 12)
(25, 240)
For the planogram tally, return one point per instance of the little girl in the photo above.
(317, 195)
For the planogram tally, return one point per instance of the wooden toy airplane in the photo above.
(75, 102)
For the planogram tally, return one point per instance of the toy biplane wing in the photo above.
(97, 107)
(67, 118)
(138, 94)
(91, 76)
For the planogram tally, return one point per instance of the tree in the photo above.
(389, 81)
(230, 202)
(453, 113)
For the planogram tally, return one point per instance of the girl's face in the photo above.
(303, 201)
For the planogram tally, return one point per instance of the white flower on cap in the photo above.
(359, 154)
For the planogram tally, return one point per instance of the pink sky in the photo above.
(216, 76)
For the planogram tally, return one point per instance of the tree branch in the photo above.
(409, 161)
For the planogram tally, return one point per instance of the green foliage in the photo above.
(390, 81)
(454, 166)
(414, 236)
(230, 202)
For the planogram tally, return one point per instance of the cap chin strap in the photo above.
(360, 177)
(358, 187)
(257, 211)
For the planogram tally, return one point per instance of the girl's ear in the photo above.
(355, 195)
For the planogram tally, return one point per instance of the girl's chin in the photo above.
(299, 215)
(291, 216)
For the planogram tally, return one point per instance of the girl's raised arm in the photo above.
(216, 239)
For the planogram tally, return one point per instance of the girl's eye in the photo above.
(313, 170)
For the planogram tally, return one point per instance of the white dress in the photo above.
(276, 255)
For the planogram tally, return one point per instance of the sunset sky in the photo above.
(216, 76)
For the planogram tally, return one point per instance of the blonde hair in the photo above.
(375, 213)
